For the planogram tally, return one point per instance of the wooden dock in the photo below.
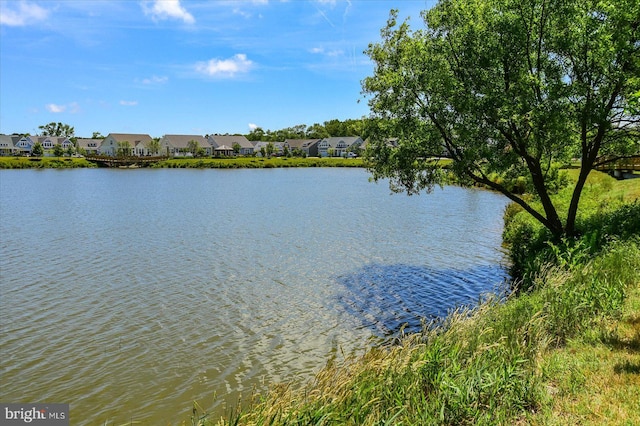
(124, 162)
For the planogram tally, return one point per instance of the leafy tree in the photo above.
(354, 128)
(97, 135)
(317, 131)
(154, 146)
(192, 147)
(38, 150)
(236, 148)
(58, 150)
(270, 149)
(71, 149)
(256, 134)
(335, 127)
(124, 148)
(57, 129)
(504, 86)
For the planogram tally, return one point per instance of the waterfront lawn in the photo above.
(595, 378)
(563, 352)
(43, 162)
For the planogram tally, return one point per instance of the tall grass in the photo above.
(478, 366)
(43, 163)
(483, 366)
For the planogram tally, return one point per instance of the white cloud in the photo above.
(155, 80)
(72, 108)
(242, 13)
(225, 67)
(55, 108)
(253, 126)
(168, 9)
(25, 14)
(129, 103)
(322, 51)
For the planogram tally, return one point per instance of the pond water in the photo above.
(130, 294)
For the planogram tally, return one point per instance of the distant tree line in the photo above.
(335, 127)
(330, 128)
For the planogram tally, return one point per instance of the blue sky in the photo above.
(186, 67)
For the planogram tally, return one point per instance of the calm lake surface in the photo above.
(129, 294)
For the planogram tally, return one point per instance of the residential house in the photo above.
(278, 148)
(25, 144)
(49, 142)
(88, 146)
(8, 144)
(222, 143)
(125, 144)
(181, 145)
(308, 146)
(338, 146)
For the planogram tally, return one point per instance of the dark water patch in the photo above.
(390, 298)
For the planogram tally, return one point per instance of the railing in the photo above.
(623, 164)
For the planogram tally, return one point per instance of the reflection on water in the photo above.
(129, 294)
(388, 298)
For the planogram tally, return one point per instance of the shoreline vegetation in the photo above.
(198, 163)
(564, 348)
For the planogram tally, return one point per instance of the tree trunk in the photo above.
(575, 200)
(553, 222)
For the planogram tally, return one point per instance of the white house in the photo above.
(338, 146)
(49, 142)
(8, 144)
(125, 144)
(179, 145)
(88, 146)
(278, 147)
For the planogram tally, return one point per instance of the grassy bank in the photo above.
(563, 352)
(191, 163)
(43, 163)
(257, 162)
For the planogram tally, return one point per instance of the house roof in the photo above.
(259, 144)
(55, 139)
(230, 140)
(10, 140)
(85, 143)
(302, 143)
(348, 140)
(182, 141)
(133, 138)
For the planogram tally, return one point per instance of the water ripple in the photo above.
(177, 285)
(391, 297)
